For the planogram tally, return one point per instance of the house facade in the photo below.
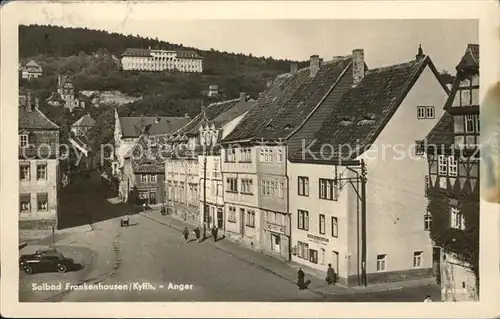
(31, 70)
(254, 164)
(65, 94)
(211, 131)
(160, 60)
(143, 178)
(39, 176)
(356, 195)
(452, 149)
(128, 130)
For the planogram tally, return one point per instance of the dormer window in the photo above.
(23, 140)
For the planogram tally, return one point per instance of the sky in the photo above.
(385, 42)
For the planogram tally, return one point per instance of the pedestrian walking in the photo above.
(186, 234)
(197, 234)
(163, 210)
(300, 279)
(330, 275)
(144, 207)
(428, 299)
(214, 233)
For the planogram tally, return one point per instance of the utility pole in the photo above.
(363, 222)
(360, 176)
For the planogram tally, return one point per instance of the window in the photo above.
(429, 112)
(381, 262)
(152, 178)
(322, 256)
(42, 201)
(421, 112)
(230, 155)
(327, 189)
(442, 165)
(303, 187)
(425, 112)
(232, 214)
(335, 227)
(303, 220)
(427, 221)
(24, 172)
(266, 155)
(468, 92)
(281, 189)
(313, 256)
(452, 166)
(457, 220)
(322, 224)
(41, 171)
(23, 140)
(250, 222)
(144, 178)
(279, 155)
(232, 184)
(303, 250)
(417, 259)
(469, 123)
(24, 202)
(246, 186)
(245, 155)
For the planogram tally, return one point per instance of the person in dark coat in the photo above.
(186, 234)
(300, 279)
(197, 234)
(330, 275)
(214, 233)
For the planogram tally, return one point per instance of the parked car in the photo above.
(45, 260)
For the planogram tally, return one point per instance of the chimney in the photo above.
(420, 55)
(36, 103)
(28, 102)
(314, 65)
(294, 67)
(243, 97)
(269, 83)
(358, 66)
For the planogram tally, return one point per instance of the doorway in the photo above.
(219, 218)
(335, 262)
(152, 198)
(275, 243)
(242, 222)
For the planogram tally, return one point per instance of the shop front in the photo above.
(277, 239)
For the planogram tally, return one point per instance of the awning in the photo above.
(42, 196)
(25, 197)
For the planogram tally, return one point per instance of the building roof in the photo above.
(34, 119)
(288, 101)
(218, 113)
(135, 126)
(188, 54)
(364, 110)
(474, 50)
(146, 158)
(32, 65)
(84, 121)
(136, 52)
(442, 134)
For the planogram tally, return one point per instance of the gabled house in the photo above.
(254, 166)
(452, 184)
(183, 167)
(39, 173)
(143, 178)
(356, 195)
(31, 70)
(65, 95)
(128, 130)
(82, 155)
(211, 132)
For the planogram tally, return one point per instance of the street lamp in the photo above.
(204, 194)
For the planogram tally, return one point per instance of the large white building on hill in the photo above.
(161, 60)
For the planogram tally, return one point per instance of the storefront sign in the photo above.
(317, 238)
(276, 228)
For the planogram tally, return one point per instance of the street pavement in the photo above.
(152, 254)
